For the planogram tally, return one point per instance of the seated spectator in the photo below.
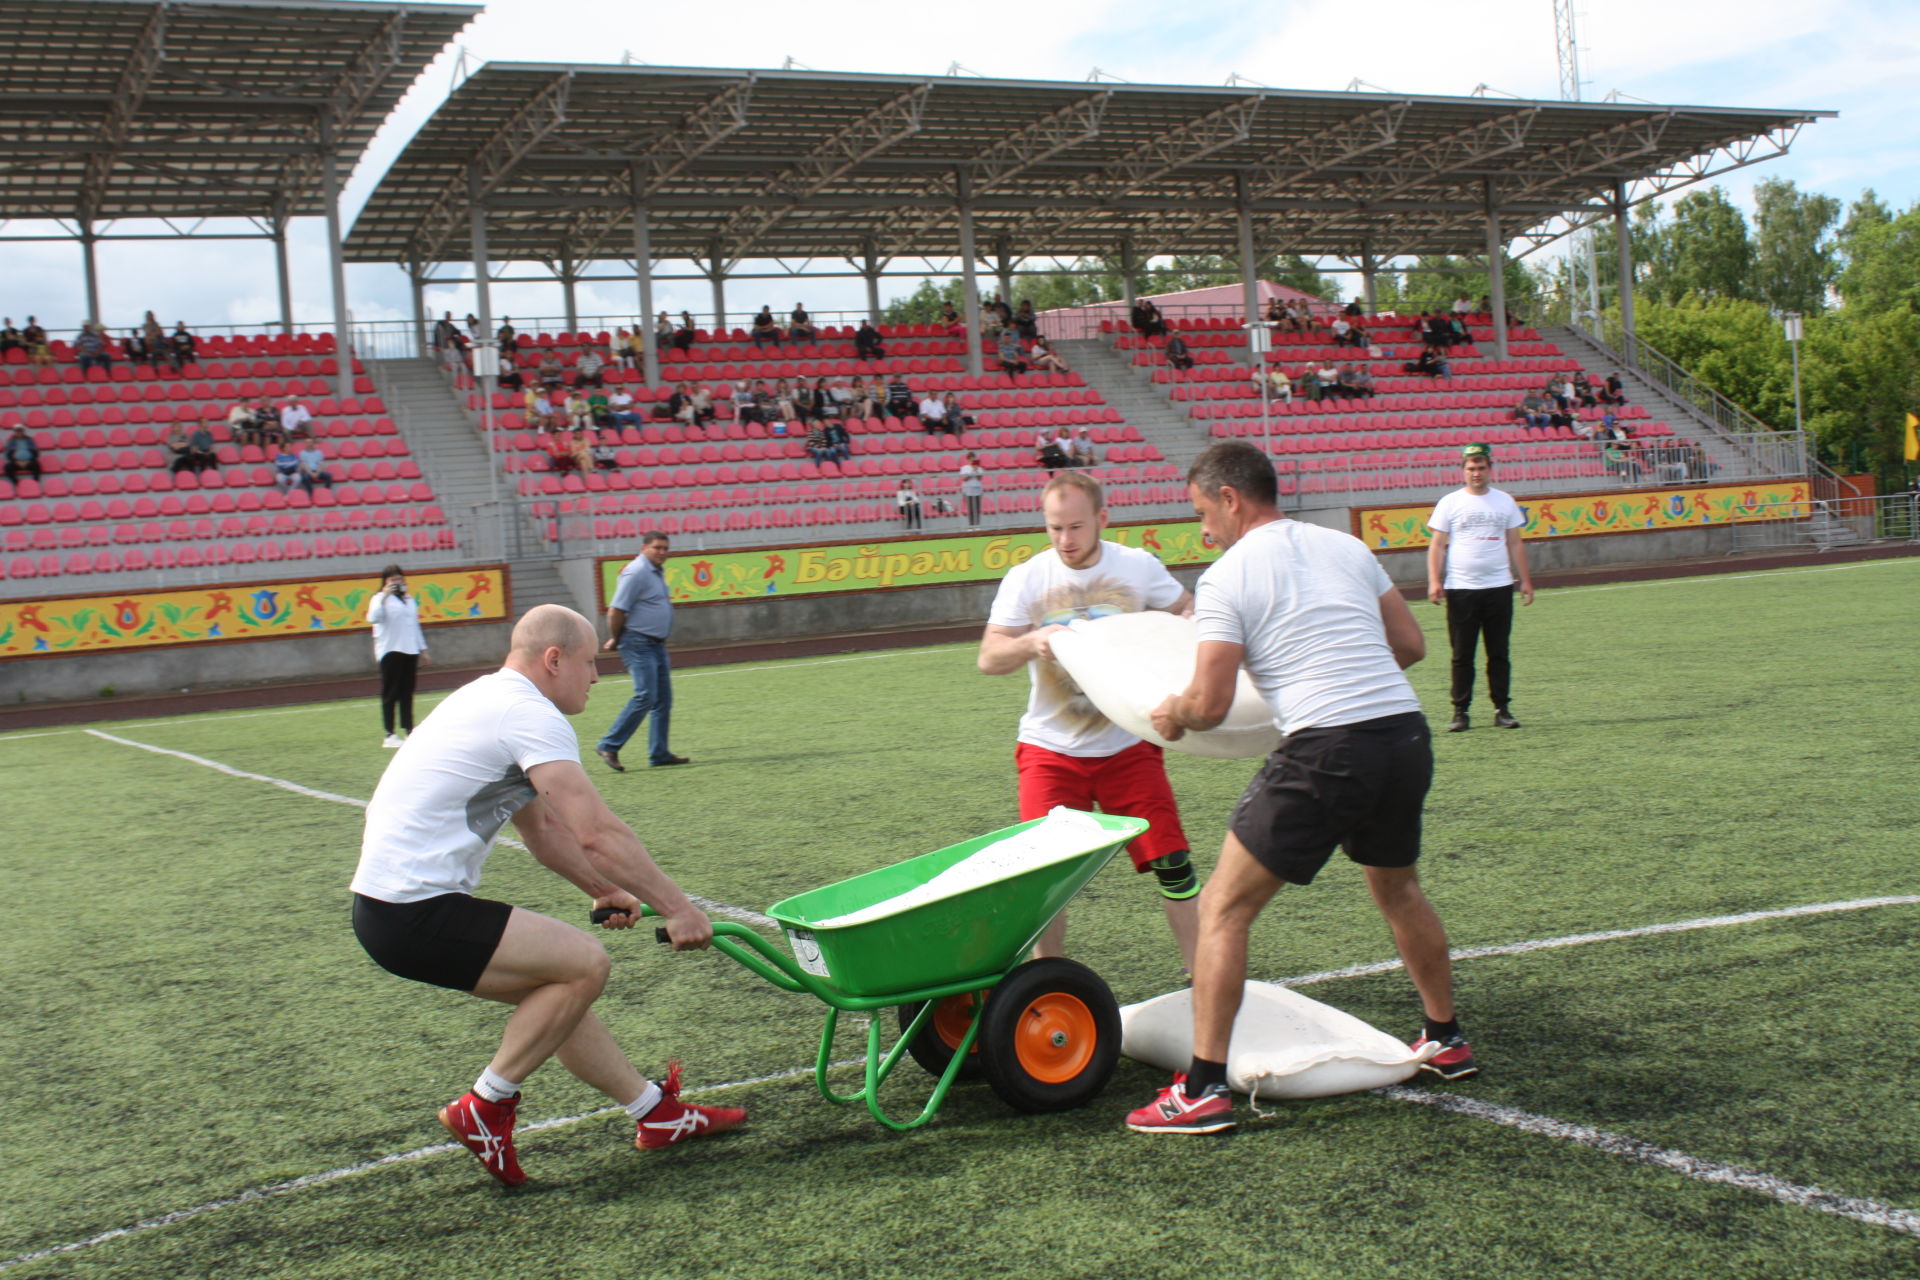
(200, 447)
(838, 441)
(1279, 385)
(1463, 305)
(630, 347)
(600, 407)
(854, 398)
(1329, 375)
(39, 350)
(551, 372)
(684, 333)
(1043, 356)
(267, 426)
(506, 338)
(183, 345)
(1082, 451)
(1177, 353)
(134, 348)
(620, 409)
(784, 403)
(951, 320)
(1343, 332)
(1615, 391)
(564, 451)
(867, 344)
(10, 339)
(819, 447)
(1276, 313)
(511, 379)
(957, 419)
(1310, 384)
(1560, 392)
(663, 331)
(313, 469)
(1430, 364)
(1013, 358)
(753, 402)
(22, 454)
(1583, 390)
(1354, 310)
(765, 330)
(586, 370)
(241, 422)
(933, 414)
(1299, 316)
(286, 469)
(90, 348)
(1486, 306)
(1026, 322)
(152, 333)
(606, 455)
(1533, 410)
(1049, 454)
(1438, 331)
(900, 399)
(674, 407)
(800, 324)
(1359, 380)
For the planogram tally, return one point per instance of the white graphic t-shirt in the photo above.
(1042, 592)
(452, 786)
(1476, 529)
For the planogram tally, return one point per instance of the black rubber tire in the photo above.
(932, 1051)
(1014, 1001)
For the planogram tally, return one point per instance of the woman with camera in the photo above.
(399, 646)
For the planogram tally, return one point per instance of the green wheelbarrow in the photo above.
(1044, 1033)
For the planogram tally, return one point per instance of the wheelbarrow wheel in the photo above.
(1051, 1036)
(933, 1047)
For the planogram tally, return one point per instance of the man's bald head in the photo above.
(550, 626)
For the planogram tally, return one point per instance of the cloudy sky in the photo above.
(1858, 57)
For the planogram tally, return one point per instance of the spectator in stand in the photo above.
(1049, 454)
(785, 407)
(90, 348)
(606, 457)
(1615, 391)
(620, 409)
(684, 333)
(511, 378)
(800, 324)
(908, 500)
(1026, 321)
(1559, 392)
(900, 399)
(1045, 357)
(313, 470)
(533, 408)
(819, 447)
(972, 486)
(1430, 364)
(1533, 411)
(200, 447)
(1583, 390)
(134, 348)
(560, 451)
(472, 326)
(933, 413)
(806, 402)
(1276, 313)
(286, 469)
(1354, 310)
(1177, 353)
(838, 440)
(1328, 374)
(663, 331)
(443, 329)
(701, 402)
(867, 344)
(1437, 330)
(1486, 306)
(10, 339)
(1343, 332)
(551, 373)
(242, 424)
(1463, 306)
(958, 419)
(267, 424)
(294, 418)
(956, 326)
(1356, 383)
(1279, 385)
(586, 370)
(856, 398)
(506, 337)
(765, 330)
(1012, 356)
(1310, 385)
(39, 351)
(152, 333)
(23, 455)
(185, 345)
(579, 411)
(1084, 453)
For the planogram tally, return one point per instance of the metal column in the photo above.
(872, 273)
(1003, 273)
(280, 269)
(1367, 266)
(567, 278)
(1496, 275)
(1623, 237)
(483, 308)
(1249, 265)
(717, 273)
(1128, 270)
(643, 275)
(91, 269)
(969, 287)
(336, 261)
(418, 285)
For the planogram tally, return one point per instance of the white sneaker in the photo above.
(393, 740)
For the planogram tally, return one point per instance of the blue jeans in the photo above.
(646, 661)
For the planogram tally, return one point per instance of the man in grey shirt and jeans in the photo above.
(639, 619)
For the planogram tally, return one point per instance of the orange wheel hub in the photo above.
(1056, 1037)
(951, 1018)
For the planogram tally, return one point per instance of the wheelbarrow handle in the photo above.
(600, 915)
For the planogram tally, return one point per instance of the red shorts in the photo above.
(1132, 782)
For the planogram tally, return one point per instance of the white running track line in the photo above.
(705, 904)
(1871, 1212)
(1549, 1126)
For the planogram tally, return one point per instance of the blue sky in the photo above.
(1859, 57)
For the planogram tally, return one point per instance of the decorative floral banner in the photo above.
(250, 611)
(1622, 511)
(716, 577)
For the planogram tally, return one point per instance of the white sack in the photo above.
(1286, 1045)
(1129, 663)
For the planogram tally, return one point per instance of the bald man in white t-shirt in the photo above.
(500, 749)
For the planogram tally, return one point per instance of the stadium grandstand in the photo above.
(438, 449)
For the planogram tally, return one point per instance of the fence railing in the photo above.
(1826, 524)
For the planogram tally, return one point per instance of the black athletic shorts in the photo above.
(446, 941)
(1356, 786)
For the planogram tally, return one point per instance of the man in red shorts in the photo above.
(1068, 753)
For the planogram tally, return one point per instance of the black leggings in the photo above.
(397, 671)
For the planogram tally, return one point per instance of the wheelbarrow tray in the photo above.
(976, 933)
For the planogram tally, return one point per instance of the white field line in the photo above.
(418, 1153)
(304, 1181)
(1871, 1212)
(705, 904)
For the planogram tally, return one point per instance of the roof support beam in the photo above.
(893, 121)
(356, 86)
(538, 117)
(149, 51)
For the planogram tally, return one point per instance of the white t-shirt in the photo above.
(452, 786)
(1476, 529)
(1043, 591)
(396, 625)
(1304, 602)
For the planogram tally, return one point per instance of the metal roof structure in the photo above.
(195, 109)
(737, 164)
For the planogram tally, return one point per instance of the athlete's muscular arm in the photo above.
(570, 830)
(1404, 637)
(1004, 650)
(1208, 698)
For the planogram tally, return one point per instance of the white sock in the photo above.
(495, 1088)
(649, 1099)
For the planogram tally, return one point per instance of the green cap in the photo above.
(1477, 450)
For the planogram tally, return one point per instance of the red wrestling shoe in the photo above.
(486, 1129)
(672, 1120)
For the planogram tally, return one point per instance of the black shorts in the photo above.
(1356, 786)
(445, 941)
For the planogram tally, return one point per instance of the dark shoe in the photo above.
(1453, 1062)
(612, 758)
(672, 760)
(1459, 723)
(1503, 719)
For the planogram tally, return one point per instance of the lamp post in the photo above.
(1795, 327)
(486, 369)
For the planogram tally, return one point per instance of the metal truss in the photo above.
(149, 51)
(492, 161)
(365, 73)
(1058, 131)
(893, 121)
(1562, 165)
(1282, 173)
(1155, 158)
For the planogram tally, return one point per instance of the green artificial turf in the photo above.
(188, 1016)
